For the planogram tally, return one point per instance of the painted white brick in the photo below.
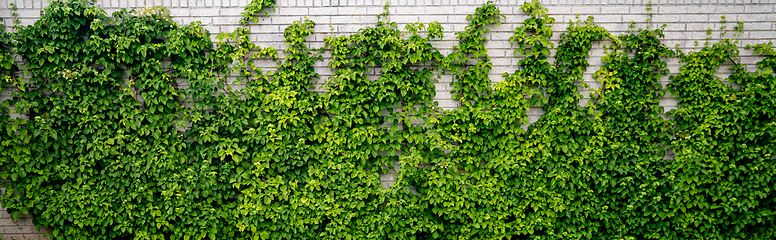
(670, 9)
(179, 12)
(265, 29)
(344, 19)
(285, 20)
(28, 13)
(432, 18)
(615, 10)
(766, 8)
(369, 20)
(443, 10)
(411, 10)
(374, 10)
(753, 17)
(404, 19)
(700, 8)
(724, 9)
(700, 27)
(694, 18)
(230, 11)
(556, 10)
(351, 11)
(226, 20)
(323, 11)
(202, 12)
(587, 10)
(447, 104)
(758, 26)
(465, 10)
(665, 18)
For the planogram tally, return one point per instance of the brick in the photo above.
(410, 10)
(28, 13)
(200, 12)
(286, 20)
(443, 10)
(514, 20)
(404, 19)
(226, 20)
(556, 10)
(27, 21)
(675, 27)
(615, 10)
(759, 9)
(443, 95)
(665, 18)
(694, 18)
(447, 104)
(678, 35)
(668, 102)
(344, 19)
(699, 26)
(349, 28)
(671, 9)
(586, 10)
(226, 28)
(759, 36)
(500, 28)
(351, 11)
(749, 17)
(701, 9)
(230, 11)
(533, 119)
(390, 177)
(327, 11)
(719, 10)
(374, 10)
(432, 18)
(457, 19)
(465, 10)
(179, 12)
(609, 18)
(370, 20)
(265, 28)
(271, 37)
(615, 27)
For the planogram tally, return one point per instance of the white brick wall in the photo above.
(687, 21)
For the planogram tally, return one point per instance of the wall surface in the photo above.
(686, 22)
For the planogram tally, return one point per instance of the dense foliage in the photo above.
(132, 126)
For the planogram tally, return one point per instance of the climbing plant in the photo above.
(722, 177)
(255, 9)
(132, 126)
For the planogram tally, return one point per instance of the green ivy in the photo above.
(255, 9)
(723, 175)
(135, 127)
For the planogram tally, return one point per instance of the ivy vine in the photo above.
(133, 126)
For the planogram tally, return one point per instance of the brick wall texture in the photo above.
(686, 20)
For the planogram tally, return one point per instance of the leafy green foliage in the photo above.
(7, 66)
(471, 81)
(135, 127)
(723, 173)
(255, 9)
